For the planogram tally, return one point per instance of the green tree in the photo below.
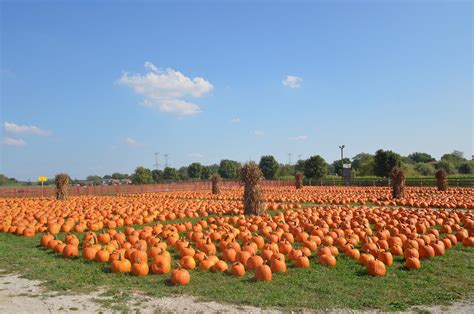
(142, 175)
(183, 173)
(418, 157)
(285, 170)
(425, 169)
(269, 167)
(170, 173)
(208, 171)
(466, 167)
(157, 175)
(336, 166)
(447, 165)
(363, 164)
(456, 158)
(94, 178)
(119, 176)
(384, 161)
(315, 167)
(299, 166)
(3, 179)
(229, 169)
(195, 170)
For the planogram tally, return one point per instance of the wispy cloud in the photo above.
(131, 142)
(196, 155)
(13, 142)
(292, 81)
(167, 90)
(235, 120)
(298, 138)
(14, 128)
(259, 133)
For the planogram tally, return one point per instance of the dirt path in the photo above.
(19, 295)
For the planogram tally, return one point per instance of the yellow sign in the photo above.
(42, 179)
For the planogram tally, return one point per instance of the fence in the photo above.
(415, 182)
(29, 191)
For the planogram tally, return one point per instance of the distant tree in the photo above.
(3, 179)
(336, 166)
(142, 175)
(421, 157)
(384, 161)
(299, 166)
(363, 164)
(157, 175)
(456, 158)
(107, 176)
(183, 173)
(466, 167)
(195, 170)
(170, 173)
(425, 169)
(447, 166)
(208, 171)
(229, 169)
(269, 167)
(315, 167)
(94, 178)
(119, 176)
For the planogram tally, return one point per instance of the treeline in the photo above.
(315, 167)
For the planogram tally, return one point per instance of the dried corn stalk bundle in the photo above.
(251, 177)
(62, 182)
(398, 182)
(298, 180)
(216, 178)
(442, 179)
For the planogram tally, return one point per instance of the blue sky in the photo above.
(94, 87)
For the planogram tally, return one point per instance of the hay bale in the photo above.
(298, 180)
(251, 177)
(62, 181)
(442, 179)
(216, 178)
(398, 182)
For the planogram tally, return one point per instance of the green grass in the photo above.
(439, 281)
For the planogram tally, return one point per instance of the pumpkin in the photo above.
(237, 269)
(412, 263)
(263, 273)
(376, 268)
(180, 277)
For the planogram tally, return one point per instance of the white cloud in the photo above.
(130, 141)
(259, 133)
(235, 120)
(298, 138)
(167, 90)
(292, 81)
(13, 142)
(11, 127)
(196, 155)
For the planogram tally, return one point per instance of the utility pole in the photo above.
(342, 157)
(166, 160)
(289, 159)
(299, 157)
(157, 165)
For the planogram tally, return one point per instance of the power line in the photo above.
(166, 160)
(299, 157)
(289, 159)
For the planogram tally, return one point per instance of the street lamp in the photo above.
(342, 157)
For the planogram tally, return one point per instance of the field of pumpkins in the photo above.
(178, 236)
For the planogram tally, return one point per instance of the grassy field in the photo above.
(439, 281)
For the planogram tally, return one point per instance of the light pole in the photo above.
(342, 158)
